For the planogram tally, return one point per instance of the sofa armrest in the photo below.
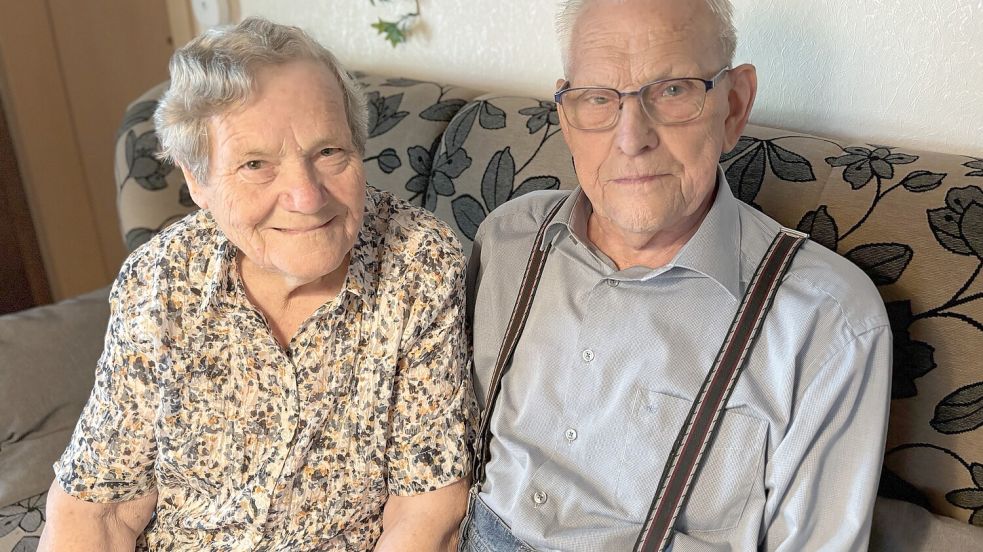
(48, 357)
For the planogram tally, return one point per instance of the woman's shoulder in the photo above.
(175, 254)
(411, 231)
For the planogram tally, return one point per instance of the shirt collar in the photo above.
(219, 279)
(714, 250)
(570, 220)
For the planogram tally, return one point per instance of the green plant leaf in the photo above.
(390, 31)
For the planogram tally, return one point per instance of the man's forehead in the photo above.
(643, 32)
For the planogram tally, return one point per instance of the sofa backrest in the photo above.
(912, 220)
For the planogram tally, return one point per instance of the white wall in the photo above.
(897, 72)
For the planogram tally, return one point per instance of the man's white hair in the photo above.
(569, 11)
(216, 72)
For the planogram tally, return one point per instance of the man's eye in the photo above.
(253, 165)
(596, 99)
(678, 89)
(328, 152)
(673, 90)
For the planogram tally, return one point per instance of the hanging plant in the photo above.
(396, 31)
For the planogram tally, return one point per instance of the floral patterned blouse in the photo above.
(252, 446)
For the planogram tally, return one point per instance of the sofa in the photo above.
(912, 220)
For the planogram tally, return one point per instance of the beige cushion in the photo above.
(46, 374)
(900, 526)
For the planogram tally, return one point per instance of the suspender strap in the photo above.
(704, 415)
(520, 312)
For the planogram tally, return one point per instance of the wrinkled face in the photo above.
(643, 178)
(285, 183)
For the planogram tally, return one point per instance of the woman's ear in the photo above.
(194, 187)
(740, 98)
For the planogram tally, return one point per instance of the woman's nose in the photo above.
(305, 193)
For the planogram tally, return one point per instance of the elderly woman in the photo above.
(286, 368)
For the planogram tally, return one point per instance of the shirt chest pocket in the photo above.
(732, 468)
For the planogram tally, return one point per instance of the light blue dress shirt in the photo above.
(610, 361)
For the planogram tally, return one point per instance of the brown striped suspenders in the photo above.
(703, 419)
(704, 415)
(520, 312)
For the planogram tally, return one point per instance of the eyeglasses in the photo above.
(666, 102)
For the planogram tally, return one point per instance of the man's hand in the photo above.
(77, 525)
(427, 521)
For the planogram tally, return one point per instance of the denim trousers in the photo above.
(483, 531)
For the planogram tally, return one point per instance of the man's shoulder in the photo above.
(521, 216)
(841, 284)
(827, 280)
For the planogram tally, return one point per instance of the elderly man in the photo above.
(284, 369)
(601, 429)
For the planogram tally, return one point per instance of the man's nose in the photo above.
(635, 132)
(304, 193)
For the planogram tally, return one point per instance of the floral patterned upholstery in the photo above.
(912, 220)
(21, 524)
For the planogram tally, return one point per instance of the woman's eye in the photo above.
(256, 170)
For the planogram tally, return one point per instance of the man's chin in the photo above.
(632, 219)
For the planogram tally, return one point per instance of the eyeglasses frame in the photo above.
(709, 84)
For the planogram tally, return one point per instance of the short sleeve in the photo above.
(111, 455)
(434, 406)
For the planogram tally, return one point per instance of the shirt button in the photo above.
(540, 497)
(614, 283)
(571, 434)
(587, 355)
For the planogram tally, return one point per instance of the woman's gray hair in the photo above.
(216, 71)
(569, 11)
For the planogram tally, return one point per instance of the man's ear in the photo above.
(740, 98)
(194, 187)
